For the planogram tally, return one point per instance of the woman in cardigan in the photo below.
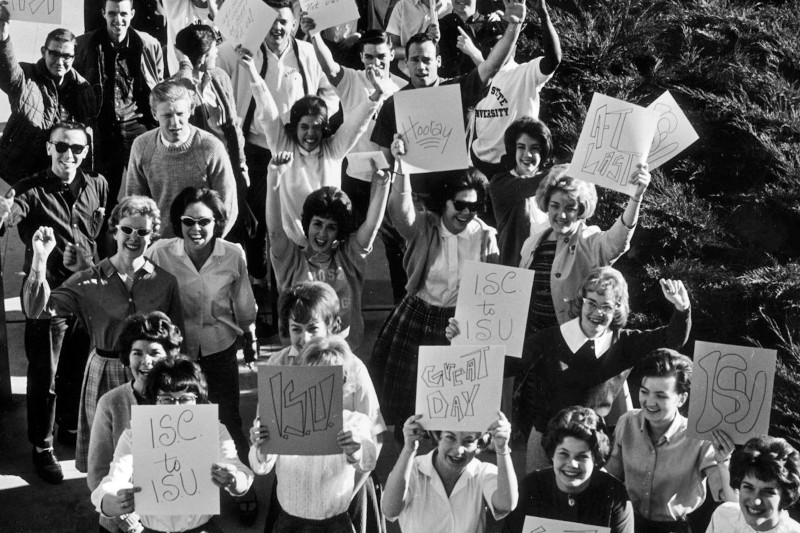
(575, 489)
(144, 340)
(586, 360)
(439, 240)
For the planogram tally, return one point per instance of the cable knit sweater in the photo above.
(161, 172)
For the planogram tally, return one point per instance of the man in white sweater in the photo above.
(176, 155)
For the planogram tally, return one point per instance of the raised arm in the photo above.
(378, 197)
(505, 498)
(36, 290)
(266, 109)
(515, 16)
(641, 177)
(357, 121)
(12, 78)
(550, 41)
(330, 67)
(395, 495)
(719, 476)
(278, 240)
(401, 206)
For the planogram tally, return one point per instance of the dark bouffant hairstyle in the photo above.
(665, 363)
(768, 459)
(190, 195)
(330, 202)
(306, 300)
(195, 40)
(579, 423)
(536, 129)
(454, 182)
(308, 105)
(152, 327)
(176, 374)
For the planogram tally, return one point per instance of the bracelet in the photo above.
(637, 200)
(507, 453)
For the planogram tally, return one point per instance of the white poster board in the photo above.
(245, 22)
(534, 524)
(329, 13)
(431, 121)
(362, 165)
(459, 387)
(174, 447)
(731, 391)
(615, 137)
(492, 305)
(39, 11)
(674, 132)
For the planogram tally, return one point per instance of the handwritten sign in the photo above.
(459, 387)
(534, 524)
(174, 447)
(674, 133)
(432, 124)
(360, 165)
(731, 391)
(492, 305)
(245, 22)
(615, 138)
(302, 407)
(46, 11)
(329, 13)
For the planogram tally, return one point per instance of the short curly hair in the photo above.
(454, 182)
(768, 459)
(666, 363)
(557, 180)
(600, 280)
(330, 202)
(132, 206)
(176, 374)
(532, 127)
(579, 423)
(152, 327)
(191, 195)
(305, 300)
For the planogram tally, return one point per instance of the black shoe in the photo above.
(47, 466)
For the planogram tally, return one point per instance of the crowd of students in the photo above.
(154, 212)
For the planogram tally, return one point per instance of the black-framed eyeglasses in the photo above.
(141, 232)
(591, 306)
(191, 221)
(60, 55)
(167, 399)
(61, 147)
(460, 205)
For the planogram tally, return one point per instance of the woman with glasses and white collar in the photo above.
(219, 309)
(172, 381)
(102, 296)
(586, 360)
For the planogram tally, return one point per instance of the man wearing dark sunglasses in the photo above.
(40, 95)
(71, 202)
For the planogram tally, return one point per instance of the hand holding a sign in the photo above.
(307, 24)
(5, 17)
(246, 57)
(640, 178)
(413, 432)
(259, 436)
(225, 477)
(121, 503)
(500, 430)
(452, 329)
(351, 445)
(675, 293)
(723, 446)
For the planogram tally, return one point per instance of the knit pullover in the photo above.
(161, 172)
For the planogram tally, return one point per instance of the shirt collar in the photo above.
(173, 144)
(305, 152)
(575, 338)
(108, 269)
(425, 466)
(445, 233)
(677, 424)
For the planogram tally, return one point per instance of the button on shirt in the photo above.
(667, 481)
(429, 509)
(218, 303)
(441, 284)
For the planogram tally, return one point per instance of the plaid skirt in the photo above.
(411, 324)
(101, 375)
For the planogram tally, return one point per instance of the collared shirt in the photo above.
(45, 200)
(441, 284)
(99, 298)
(429, 509)
(120, 476)
(410, 17)
(218, 303)
(665, 481)
(575, 338)
(170, 144)
(728, 518)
